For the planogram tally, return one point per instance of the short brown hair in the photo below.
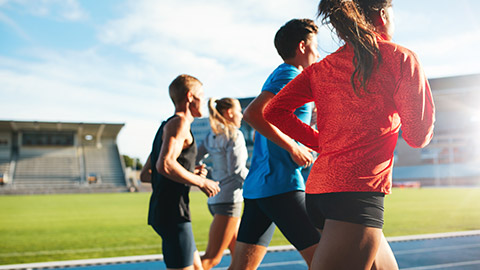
(180, 86)
(291, 33)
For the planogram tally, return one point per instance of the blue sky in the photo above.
(112, 60)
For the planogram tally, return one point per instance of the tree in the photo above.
(128, 161)
(133, 163)
(138, 165)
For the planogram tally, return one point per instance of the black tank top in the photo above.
(169, 200)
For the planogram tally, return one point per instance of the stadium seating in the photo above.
(37, 167)
(88, 168)
(60, 157)
(105, 164)
(4, 166)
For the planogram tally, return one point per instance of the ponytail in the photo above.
(218, 123)
(351, 20)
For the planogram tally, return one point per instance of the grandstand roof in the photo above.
(458, 94)
(106, 129)
(455, 82)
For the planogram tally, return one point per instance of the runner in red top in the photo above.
(364, 93)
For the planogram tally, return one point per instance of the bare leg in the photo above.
(385, 259)
(308, 253)
(185, 268)
(247, 256)
(223, 231)
(347, 246)
(231, 246)
(197, 264)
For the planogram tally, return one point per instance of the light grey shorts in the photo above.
(226, 209)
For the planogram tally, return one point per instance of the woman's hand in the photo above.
(302, 156)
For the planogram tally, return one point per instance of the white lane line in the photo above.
(443, 266)
(273, 264)
(143, 257)
(432, 249)
(89, 262)
(279, 248)
(432, 236)
(74, 251)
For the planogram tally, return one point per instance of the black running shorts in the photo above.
(286, 211)
(364, 208)
(178, 244)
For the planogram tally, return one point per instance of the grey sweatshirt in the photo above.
(229, 158)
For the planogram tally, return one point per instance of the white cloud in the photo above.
(229, 31)
(14, 26)
(445, 40)
(72, 11)
(48, 98)
(69, 10)
(227, 45)
(448, 45)
(449, 55)
(84, 87)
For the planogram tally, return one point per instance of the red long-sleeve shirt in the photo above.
(356, 136)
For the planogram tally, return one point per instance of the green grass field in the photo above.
(41, 228)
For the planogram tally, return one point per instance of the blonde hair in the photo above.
(180, 86)
(218, 123)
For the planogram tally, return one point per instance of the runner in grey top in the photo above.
(229, 157)
(226, 145)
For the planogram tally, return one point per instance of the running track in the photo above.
(452, 251)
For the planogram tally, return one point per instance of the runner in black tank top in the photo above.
(171, 170)
(169, 200)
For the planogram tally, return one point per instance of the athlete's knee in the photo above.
(209, 262)
(197, 267)
(215, 261)
(385, 267)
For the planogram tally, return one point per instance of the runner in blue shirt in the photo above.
(274, 189)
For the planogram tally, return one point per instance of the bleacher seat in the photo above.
(47, 167)
(105, 163)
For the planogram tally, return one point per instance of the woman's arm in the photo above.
(254, 116)
(237, 155)
(414, 103)
(280, 111)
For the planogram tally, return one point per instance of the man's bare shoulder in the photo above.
(177, 125)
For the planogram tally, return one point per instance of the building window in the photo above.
(47, 138)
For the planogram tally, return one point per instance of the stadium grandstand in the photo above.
(453, 156)
(60, 157)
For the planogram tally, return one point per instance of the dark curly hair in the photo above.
(352, 20)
